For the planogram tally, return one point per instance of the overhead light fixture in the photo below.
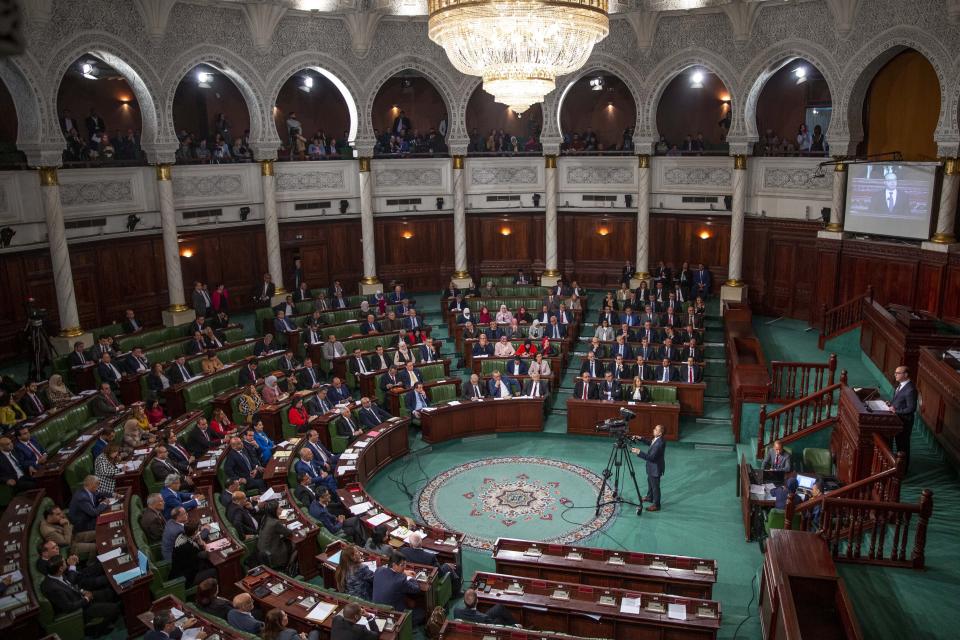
(307, 85)
(519, 47)
(88, 71)
(801, 74)
(596, 84)
(696, 80)
(203, 79)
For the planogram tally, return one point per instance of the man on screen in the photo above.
(890, 200)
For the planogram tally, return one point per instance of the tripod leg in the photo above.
(633, 476)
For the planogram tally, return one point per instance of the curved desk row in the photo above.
(458, 419)
(19, 609)
(584, 415)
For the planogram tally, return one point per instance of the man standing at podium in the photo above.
(904, 403)
(654, 459)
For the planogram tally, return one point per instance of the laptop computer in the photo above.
(772, 475)
(805, 483)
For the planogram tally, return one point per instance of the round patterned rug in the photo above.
(515, 497)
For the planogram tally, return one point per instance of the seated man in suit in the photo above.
(199, 325)
(692, 372)
(649, 333)
(213, 339)
(585, 389)
(319, 404)
(693, 351)
(666, 373)
(416, 554)
(621, 348)
(163, 464)
(320, 510)
(136, 362)
(66, 598)
(357, 364)
(264, 347)
(166, 627)
(241, 616)
(109, 372)
(12, 473)
(393, 583)
(152, 521)
(412, 322)
(498, 387)
(197, 344)
(429, 352)
(102, 348)
(106, 405)
(239, 464)
(321, 455)
(370, 326)
(78, 357)
(535, 387)
(31, 402)
(475, 390)
(286, 306)
(555, 330)
(517, 367)
(609, 389)
(642, 370)
(307, 377)
(669, 352)
(174, 498)
(416, 400)
(30, 453)
(178, 372)
(592, 366)
(482, 347)
(131, 324)
(497, 614)
(410, 376)
(370, 414)
(307, 465)
(390, 379)
(240, 515)
(248, 374)
(338, 392)
(347, 426)
(776, 458)
(201, 439)
(619, 369)
(350, 625)
(86, 505)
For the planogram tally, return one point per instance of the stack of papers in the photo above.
(630, 605)
(109, 555)
(321, 612)
(363, 507)
(378, 519)
(269, 494)
(677, 611)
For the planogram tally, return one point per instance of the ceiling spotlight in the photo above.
(696, 80)
(88, 71)
(596, 84)
(307, 84)
(203, 79)
(801, 74)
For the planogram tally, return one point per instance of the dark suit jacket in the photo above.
(83, 511)
(697, 373)
(63, 598)
(241, 520)
(410, 400)
(592, 392)
(303, 378)
(901, 206)
(905, 402)
(343, 629)
(152, 524)
(504, 391)
(199, 442)
(107, 375)
(614, 389)
(598, 367)
(674, 376)
(385, 380)
(654, 456)
(468, 391)
(544, 388)
(336, 396)
(74, 359)
(131, 364)
(7, 472)
(392, 588)
(354, 366)
(366, 328)
(373, 416)
(770, 459)
(483, 350)
(237, 465)
(175, 375)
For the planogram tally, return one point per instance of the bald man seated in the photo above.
(497, 614)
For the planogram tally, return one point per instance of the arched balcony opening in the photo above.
(211, 118)
(495, 129)
(316, 117)
(9, 155)
(99, 115)
(794, 111)
(410, 117)
(693, 115)
(901, 108)
(597, 116)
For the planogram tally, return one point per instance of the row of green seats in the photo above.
(532, 305)
(518, 290)
(155, 484)
(161, 585)
(199, 395)
(64, 426)
(151, 337)
(68, 626)
(427, 372)
(440, 393)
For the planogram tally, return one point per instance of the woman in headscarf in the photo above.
(523, 316)
(271, 391)
(536, 330)
(484, 315)
(133, 436)
(503, 315)
(57, 393)
(527, 349)
(546, 348)
(403, 355)
(364, 309)
(466, 316)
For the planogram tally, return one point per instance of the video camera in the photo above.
(35, 316)
(616, 426)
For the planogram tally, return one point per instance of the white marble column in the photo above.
(839, 197)
(948, 203)
(734, 288)
(271, 228)
(70, 330)
(370, 282)
(643, 222)
(177, 313)
(550, 273)
(461, 276)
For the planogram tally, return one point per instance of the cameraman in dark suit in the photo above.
(904, 403)
(654, 459)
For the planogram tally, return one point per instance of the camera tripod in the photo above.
(41, 349)
(619, 457)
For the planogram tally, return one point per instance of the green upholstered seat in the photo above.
(662, 394)
(776, 519)
(443, 393)
(68, 626)
(818, 461)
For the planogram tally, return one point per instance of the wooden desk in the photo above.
(894, 336)
(297, 613)
(22, 618)
(938, 382)
(689, 394)
(446, 544)
(204, 622)
(395, 397)
(113, 531)
(584, 415)
(276, 471)
(747, 374)
(852, 438)
(479, 417)
(205, 467)
(750, 505)
(83, 377)
(224, 551)
(330, 559)
(304, 534)
(537, 608)
(680, 575)
(456, 630)
(385, 443)
(801, 595)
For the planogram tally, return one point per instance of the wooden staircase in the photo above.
(790, 381)
(801, 417)
(844, 317)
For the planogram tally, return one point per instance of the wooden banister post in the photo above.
(843, 377)
(763, 420)
(870, 292)
(832, 366)
(788, 512)
(920, 540)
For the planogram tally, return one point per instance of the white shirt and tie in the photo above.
(535, 389)
(476, 391)
(314, 337)
(556, 332)
(184, 372)
(891, 199)
(666, 375)
(313, 376)
(14, 463)
(361, 366)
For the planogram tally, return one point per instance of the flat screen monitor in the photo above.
(806, 482)
(890, 199)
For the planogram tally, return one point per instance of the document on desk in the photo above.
(268, 495)
(206, 464)
(349, 456)
(677, 611)
(630, 605)
(357, 509)
(321, 612)
(109, 555)
(378, 519)
(127, 576)
(191, 634)
(878, 405)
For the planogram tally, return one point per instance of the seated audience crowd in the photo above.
(91, 141)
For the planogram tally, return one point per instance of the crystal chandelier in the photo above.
(518, 47)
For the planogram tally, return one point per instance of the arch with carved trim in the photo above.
(18, 75)
(602, 63)
(331, 68)
(765, 65)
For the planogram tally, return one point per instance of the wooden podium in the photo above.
(852, 439)
(893, 335)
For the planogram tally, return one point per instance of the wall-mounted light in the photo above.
(603, 231)
(596, 84)
(132, 221)
(394, 108)
(505, 230)
(344, 205)
(6, 236)
(725, 98)
(696, 80)
(705, 234)
(406, 234)
(610, 106)
(186, 253)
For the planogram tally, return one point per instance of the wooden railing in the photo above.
(799, 418)
(843, 317)
(791, 381)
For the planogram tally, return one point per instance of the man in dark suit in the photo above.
(904, 404)
(309, 466)
(610, 388)
(409, 377)
(109, 372)
(174, 499)
(319, 404)
(338, 392)
(357, 364)
(347, 426)
(621, 348)
(30, 453)
(301, 293)
(776, 458)
(416, 400)
(178, 372)
(282, 324)
(321, 455)
(692, 372)
(248, 374)
(498, 386)
(497, 614)
(201, 439)
(517, 367)
(264, 291)
(78, 356)
(890, 200)
(240, 515)
(393, 583)
(202, 304)
(669, 352)
(666, 373)
(591, 366)
(390, 379)
(655, 465)
(66, 598)
(94, 123)
(31, 402)
(416, 554)
(702, 281)
(348, 625)
(429, 352)
(475, 390)
(131, 324)
(196, 345)
(136, 362)
(164, 463)
(370, 325)
(152, 521)
(401, 124)
(555, 330)
(482, 346)
(307, 377)
(535, 387)
(585, 389)
(12, 473)
(165, 627)
(239, 464)
(105, 404)
(371, 415)
(619, 369)
(86, 505)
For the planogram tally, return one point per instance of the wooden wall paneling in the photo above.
(931, 273)
(951, 289)
(827, 278)
(890, 268)
(593, 259)
(424, 260)
(489, 251)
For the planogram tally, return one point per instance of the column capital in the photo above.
(266, 168)
(164, 172)
(643, 160)
(951, 166)
(458, 162)
(740, 164)
(841, 165)
(48, 176)
(364, 164)
(550, 161)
